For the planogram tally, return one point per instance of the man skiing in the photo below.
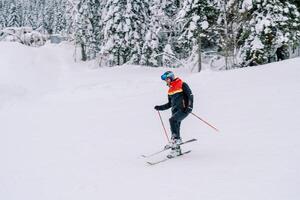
(180, 99)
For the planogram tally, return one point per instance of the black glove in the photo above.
(188, 110)
(156, 107)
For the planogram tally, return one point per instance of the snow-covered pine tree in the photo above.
(13, 18)
(230, 20)
(71, 13)
(163, 30)
(97, 8)
(169, 7)
(48, 13)
(294, 2)
(124, 30)
(21, 7)
(153, 44)
(138, 13)
(59, 23)
(272, 25)
(39, 14)
(16, 13)
(150, 50)
(169, 57)
(170, 30)
(30, 14)
(3, 14)
(196, 17)
(114, 31)
(83, 28)
(87, 33)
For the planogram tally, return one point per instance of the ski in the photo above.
(158, 152)
(167, 158)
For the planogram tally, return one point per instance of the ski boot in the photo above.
(175, 148)
(173, 143)
(174, 152)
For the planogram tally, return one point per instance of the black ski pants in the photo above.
(175, 122)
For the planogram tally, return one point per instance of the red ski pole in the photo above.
(162, 123)
(206, 122)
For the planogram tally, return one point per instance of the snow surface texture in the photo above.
(69, 132)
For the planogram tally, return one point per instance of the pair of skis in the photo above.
(165, 149)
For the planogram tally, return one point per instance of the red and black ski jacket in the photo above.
(180, 97)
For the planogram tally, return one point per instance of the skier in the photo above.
(180, 99)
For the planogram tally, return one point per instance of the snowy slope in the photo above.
(69, 132)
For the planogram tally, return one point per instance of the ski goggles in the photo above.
(164, 77)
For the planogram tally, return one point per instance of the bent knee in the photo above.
(173, 120)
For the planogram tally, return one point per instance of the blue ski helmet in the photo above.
(169, 75)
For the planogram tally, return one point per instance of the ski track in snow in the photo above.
(69, 131)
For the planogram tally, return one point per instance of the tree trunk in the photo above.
(226, 37)
(199, 53)
(83, 53)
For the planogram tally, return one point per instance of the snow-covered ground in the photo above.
(71, 132)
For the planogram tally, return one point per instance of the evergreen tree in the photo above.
(48, 16)
(152, 44)
(150, 50)
(169, 7)
(169, 57)
(272, 25)
(13, 15)
(124, 30)
(3, 14)
(59, 23)
(138, 13)
(230, 21)
(170, 29)
(87, 33)
(163, 30)
(71, 13)
(196, 17)
(30, 15)
(294, 2)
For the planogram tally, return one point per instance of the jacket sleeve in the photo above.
(165, 106)
(189, 95)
